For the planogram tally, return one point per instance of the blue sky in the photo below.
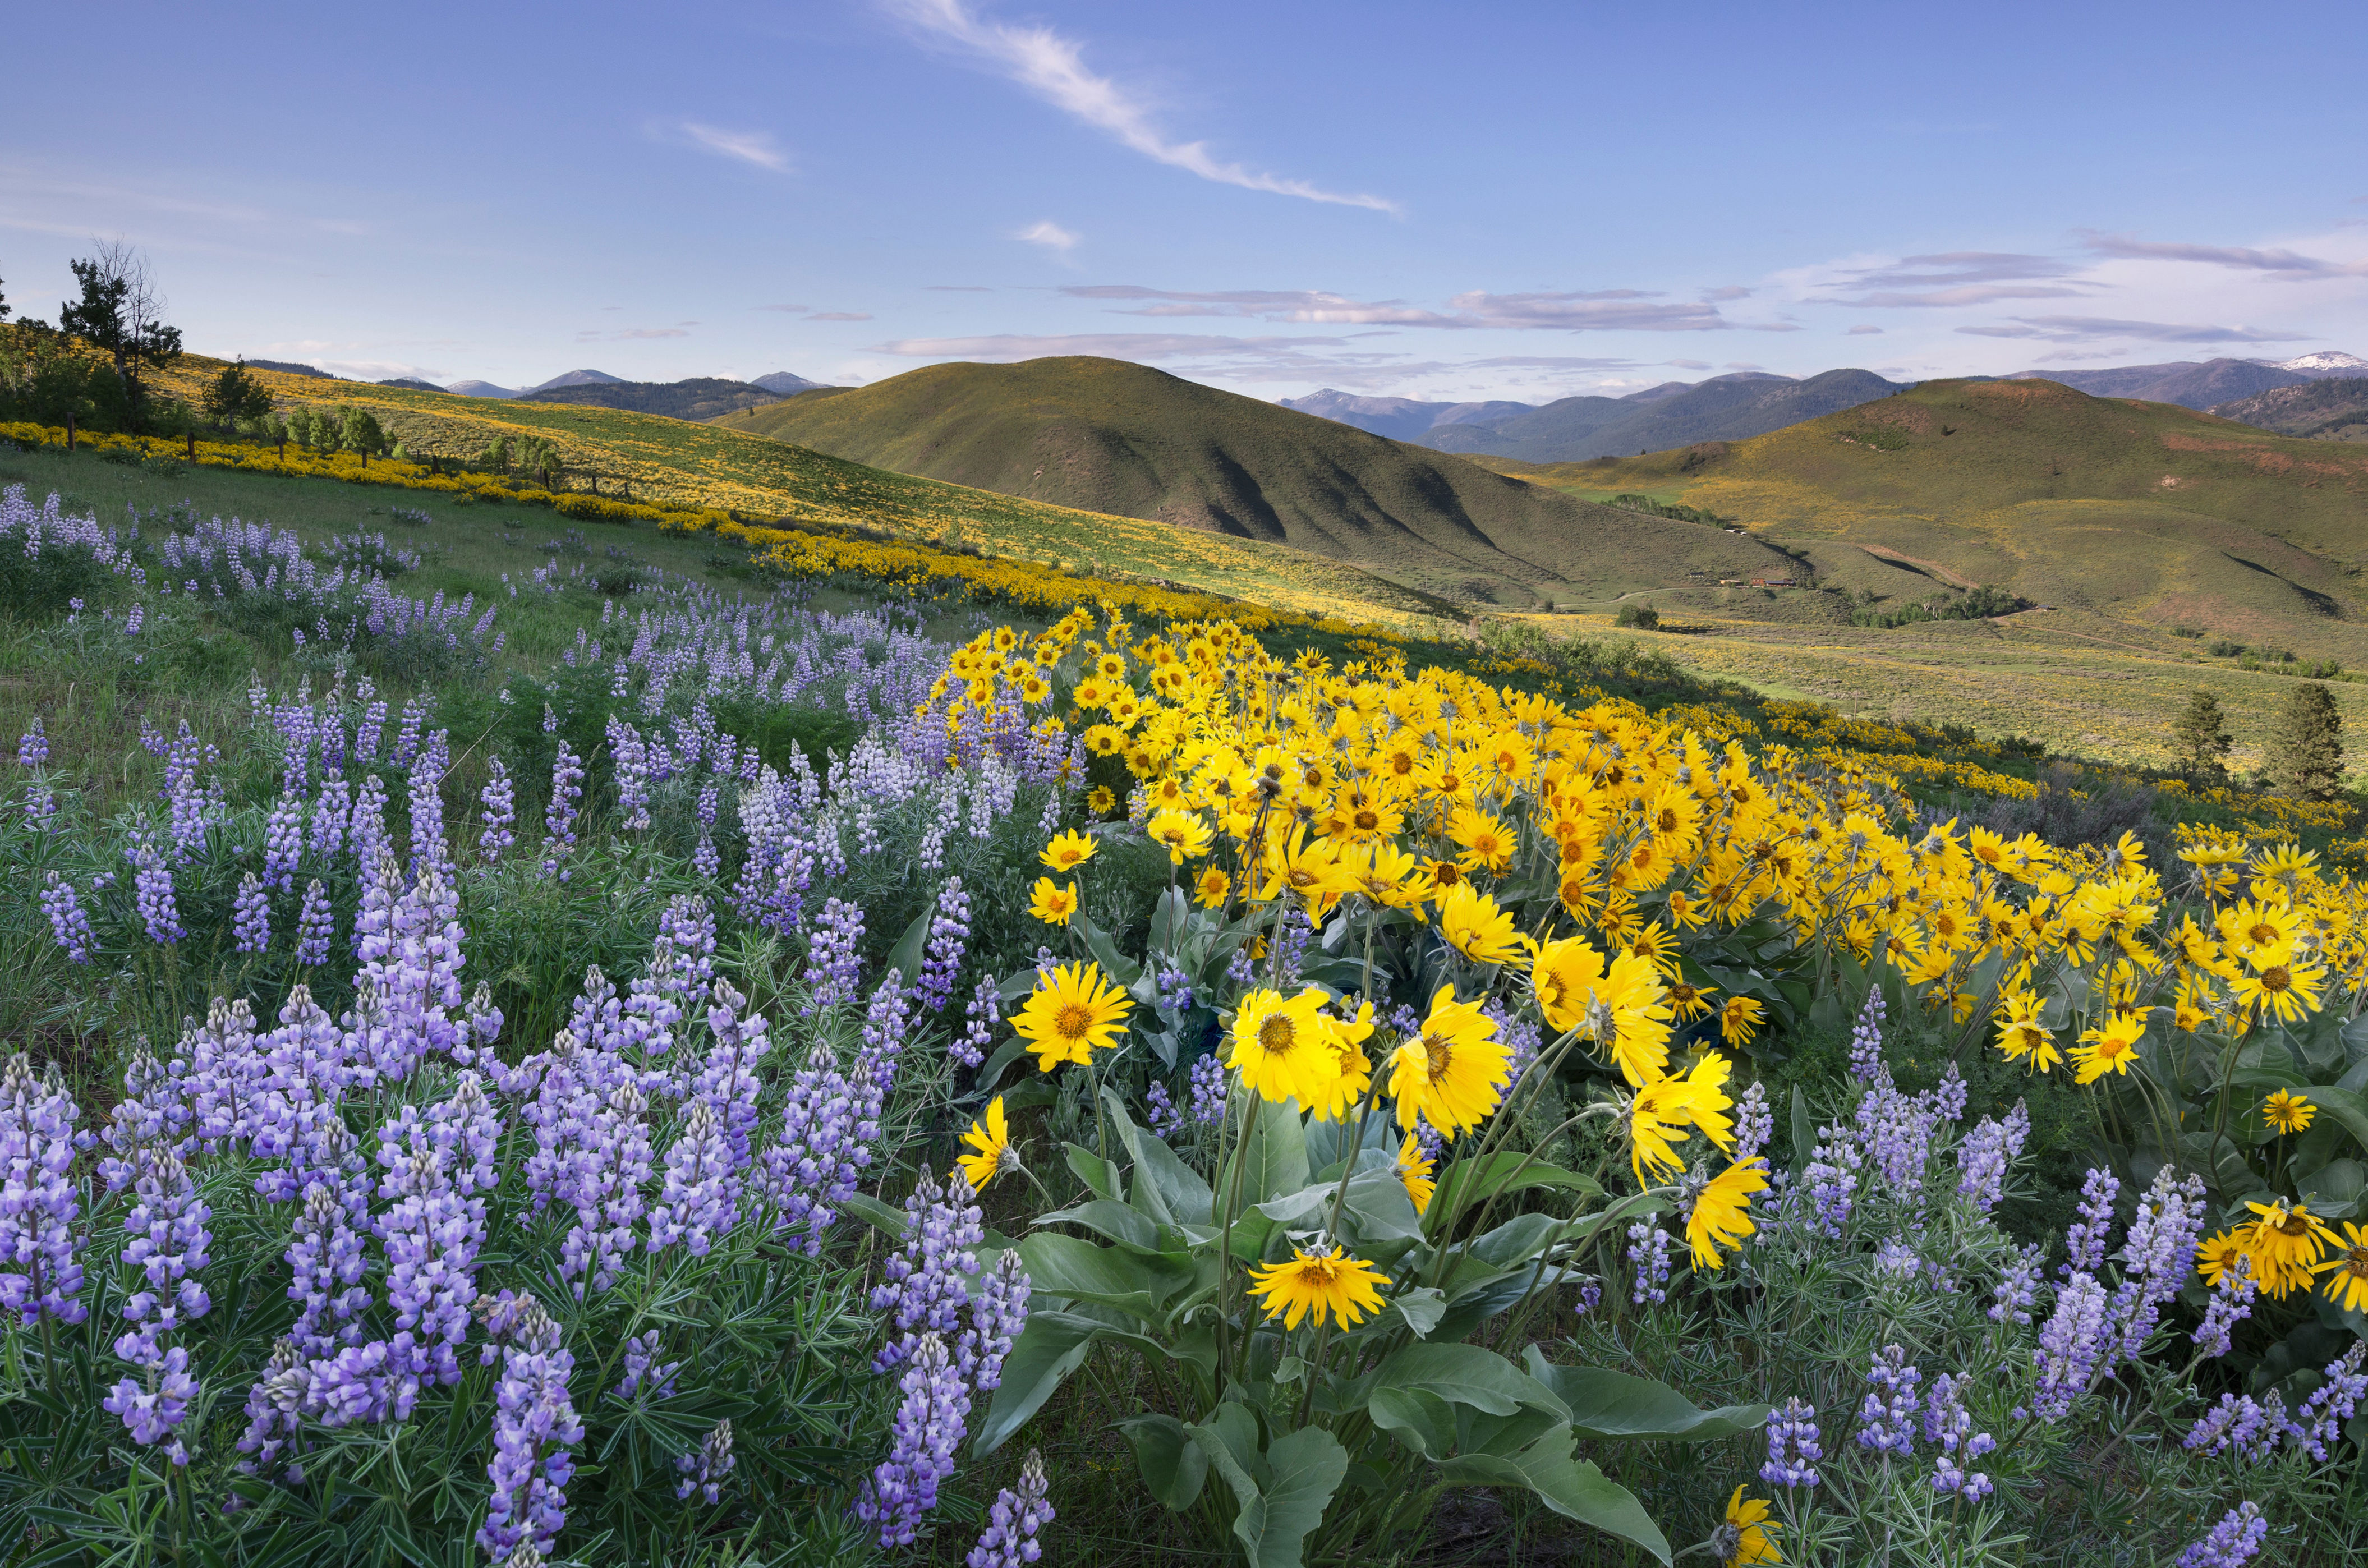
(1512, 200)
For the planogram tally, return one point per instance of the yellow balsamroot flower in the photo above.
(2288, 1112)
(2109, 1048)
(1067, 851)
(1739, 1020)
(1051, 902)
(1213, 888)
(1660, 1114)
(990, 1148)
(2022, 1036)
(2284, 1245)
(1691, 1002)
(1451, 1074)
(1415, 1171)
(1564, 975)
(1101, 801)
(1317, 1283)
(2286, 990)
(1755, 1534)
(1072, 1013)
(2217, 1255)
(1283, 1046)
(1182, 833)
(2260, 933)
(1341, 1098)
(1311, 867)
(2347, 1271)
(1722, 1215)
(1487, 843)
(1474, 926)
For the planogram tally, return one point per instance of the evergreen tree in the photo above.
(2306, 757)
(235, 395)
(362, 431)
(118, 312)
(2202, 737)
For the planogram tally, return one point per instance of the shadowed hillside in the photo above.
(2321, 410)
(1105, 435)
(700, 397)
(1723, 408)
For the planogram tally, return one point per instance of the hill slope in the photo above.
(1107, 435)
(2132, 509)
(700, 397)
(2184, 382)
(1724, 408)
(2325, 410)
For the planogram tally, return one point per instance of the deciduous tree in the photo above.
(122, 313)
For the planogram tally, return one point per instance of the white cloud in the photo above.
(631, 334)
(1049, 234)
(2080, 329)
(1053, 68)
(748, 146)
(2240, 258)
(1598, 310)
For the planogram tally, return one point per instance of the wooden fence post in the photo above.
(70, 433)
(191, 439)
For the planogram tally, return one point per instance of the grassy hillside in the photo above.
(700, 397)
(654, 458)
(2334, 409)
(1109, 437)
(2128, 510)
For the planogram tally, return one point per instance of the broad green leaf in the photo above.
(1472, 1184)
(1464, 1374)
(1421, 1307)
(1295, 1209)
(906, 957)
(1378, 1208)
(1483, 1294)
(1073, 1268)
(2333, 1191)
(1251, 1232)
(1328, 1143)
(1169, 918)
(888, 1220)
(1805, 1129)
(1122, 971)
(1173, 1466)
(1607, 1404)
(1276, 1152)
(1303, 1470)
(1572, 1489)
(1130, 1228)
(991, 1074)
(1096, 1172)
(1165, 1188)
(1230, 1438)
(2349, 1108)
(1049, 1348)
(1416, 1418)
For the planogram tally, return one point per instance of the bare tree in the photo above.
(121, 313)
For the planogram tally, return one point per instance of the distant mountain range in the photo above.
(2335, 409)
(2203, 385)
(700, 397)
(1572, 429)
(779, 382)
(1112, 437)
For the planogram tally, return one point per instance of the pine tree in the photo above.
(2307, 758)
(2203, 741)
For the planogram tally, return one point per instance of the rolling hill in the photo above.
(700, 397)
(2133, 510)
(2185, 382)
(1107, 435)
(1724, 408)
(2324, 410)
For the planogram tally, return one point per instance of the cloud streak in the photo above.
(1596, 310)
(753, 147)
(1051, 235)
(1053, 68)
(2084, 329)
(2239, 258)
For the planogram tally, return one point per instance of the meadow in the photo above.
(543, 1039)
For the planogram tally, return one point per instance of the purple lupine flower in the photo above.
(925, 1283)
(1897, 1260)
(949, 943)
(2085, 1239)
(314, 927)
(1948, 1099)
(832, 963)
(331, 810)
(1175, 989)
(704, 1468)
(2018, 1288)
(185, 803)
(928, 1427)
(1987, 1152)
(1896, 1132)
(969, 1048)
(407, 735)
(1208, 1092)
(883, 1031)
(2157, 1256)
(152, 893)
(68, 921)
(366, 834)
(697, 1200)
(2071, 1345)
(534, 1424)
(1160, 1113)
(251, 916)
(643, 1370)
(1793, 1446)
(1888, 1418)
(1009, 1538)
(168, 1242)
(2231, 1304)
(1649, 1253)
(151, 1410)
(40, 1274)
(2232, 1544)
(830, 1122)
(559, 815)
(326, 1255)
(612, 1167)
(499, 798)
(41, 805)
(428, 846)
(1866, 1041)
(283, 842)
(1950, 1425)
(999, 1310)
(434, 1228)
(2238, 1422)
(1755, 1123)
(33, 745)
(2320, 1420)
(727, 1080)
(705, 859)
(272, 1422)
(1830, 1179)
(484, 1023)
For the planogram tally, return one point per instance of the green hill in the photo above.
(2132, 510)
(2333, 410)
(700, 397)
(1105, 435)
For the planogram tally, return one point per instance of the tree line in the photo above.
(2304, 754)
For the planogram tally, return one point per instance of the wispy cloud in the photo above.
(1114, 344)
(2240, 258)
(1946, 279)
(1596, 310)
(1049, 234)
(2082, 329)
(1053, 68)
(754, 147)
(1864, 330)
(956, 288)
(631, 334)
(812, 314)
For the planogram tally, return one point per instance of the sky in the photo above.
(1519, 200)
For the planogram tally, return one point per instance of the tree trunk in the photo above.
(70, 433)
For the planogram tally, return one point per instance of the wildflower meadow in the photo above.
(605, 1064)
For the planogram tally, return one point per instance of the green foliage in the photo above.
(2307, 757)
(2202, 737)
(1976, 604)
(1642, 616)
(234, 396)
